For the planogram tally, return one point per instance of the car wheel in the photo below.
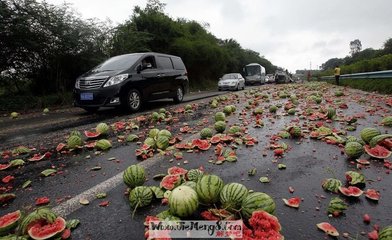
(91, 109)
(179, 95)
(133, 100)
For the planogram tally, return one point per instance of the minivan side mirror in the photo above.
(139, 68)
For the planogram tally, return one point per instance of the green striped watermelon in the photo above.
(232, 195)
(354, 178)
(134, 176)
(194, 175)
(140, 197)
(378, 139)
(257, 201)
(336, 206)
(220, 126)
(385, 233)
(353, 149)
(387, 121)
(183, 201)
(206, 133)
(220, 116)
(368, 133)
(332, 185)
(331, 113)
(208, 189)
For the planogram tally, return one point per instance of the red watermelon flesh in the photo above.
(351, 191)
(292, 202)
(372, 194)
(328, 229)
(90, 134)
(5, 166)
(387, 143)
(378, 151)
(170, 181)
(176, 171)
(9, 221)
(45, 230)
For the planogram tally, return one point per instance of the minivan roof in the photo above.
(147, 53)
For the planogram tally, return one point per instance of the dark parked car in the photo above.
(129, 80)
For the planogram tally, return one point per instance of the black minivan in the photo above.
(130, 79)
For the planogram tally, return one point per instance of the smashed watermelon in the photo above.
(378, 151)
(169, 182)
(328, 229)
(351, 191)
(45, 230)
(177, 171)
(372, 194)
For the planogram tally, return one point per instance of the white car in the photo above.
(231, 81)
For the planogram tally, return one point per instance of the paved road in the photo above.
(308, 162)
(29, 126)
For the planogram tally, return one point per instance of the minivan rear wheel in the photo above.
(133, 100)
(179, 95)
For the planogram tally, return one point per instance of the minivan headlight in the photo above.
(116, 80)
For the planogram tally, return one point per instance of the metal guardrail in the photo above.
(371, 75)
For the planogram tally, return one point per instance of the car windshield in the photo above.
(121, 62)
(229, 76)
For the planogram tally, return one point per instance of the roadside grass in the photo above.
(27, 103)
(383, 86)
(203, 85)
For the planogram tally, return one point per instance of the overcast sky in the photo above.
(293, 34)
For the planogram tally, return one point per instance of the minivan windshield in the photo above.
(121, 62)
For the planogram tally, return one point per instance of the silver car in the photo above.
(231, 81)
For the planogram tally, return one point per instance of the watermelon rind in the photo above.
(328, 229)
(336, 205)
(38, 214)
(387, 121)
(332, 185)
(208, 189)
(355, 178)
(257, 201)
(377, 152)
(351, 191)
(9, 222)
(220, 126)
(385, 233)
(183, 201)
(379, 138)
(36, 233)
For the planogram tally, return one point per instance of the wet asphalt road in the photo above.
(308, 162)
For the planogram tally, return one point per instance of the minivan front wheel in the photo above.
(133, 100)
(179, 95)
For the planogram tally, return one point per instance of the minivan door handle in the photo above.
(160, 75)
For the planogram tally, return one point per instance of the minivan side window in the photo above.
(165, 62)
(178, 64)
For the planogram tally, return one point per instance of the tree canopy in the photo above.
(44, 47)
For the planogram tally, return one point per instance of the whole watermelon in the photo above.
(208, 189)
(232, 195)
(353, 149)
(165, 133)
(140, 197)
(257, 201)
(74, 142)
(134, 176)
(220, 126)
(368, 133)
(183, 201)
(162, 142)
(206, 133)
(102, 128)
(220, 116)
